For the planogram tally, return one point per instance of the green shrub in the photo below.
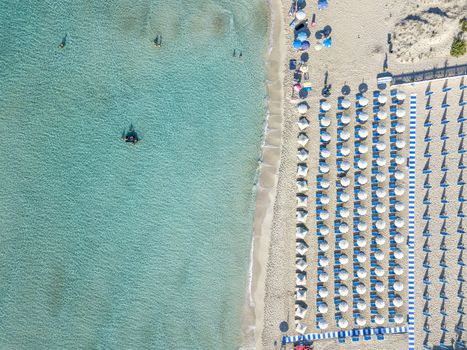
(458, 47)
(464, 25)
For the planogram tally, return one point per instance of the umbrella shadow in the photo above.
(345, 90)
(363, 87)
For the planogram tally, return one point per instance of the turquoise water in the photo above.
(104, 245)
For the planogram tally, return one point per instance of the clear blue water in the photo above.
(104, 245)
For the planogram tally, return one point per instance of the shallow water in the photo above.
(110, 246)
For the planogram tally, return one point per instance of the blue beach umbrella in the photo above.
(302, 36)
(327, 42)
(305, 45)
(297, 44)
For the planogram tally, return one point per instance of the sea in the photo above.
(108, 245)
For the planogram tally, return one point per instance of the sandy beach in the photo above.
(359, 52)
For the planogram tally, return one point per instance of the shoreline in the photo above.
(266, 187)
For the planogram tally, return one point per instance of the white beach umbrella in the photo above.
(345, 119)
(379, 271)
(363, 101)
(345, 181)
(302, 215)
(398, 318)
(381, 161)
(345, 165)
(300, 15)
(398, 270)
(300, 279)
(399, 222)
(323, 261)
(361, 257)
(360, 321)
(400, 95)
(398, 302)
(345, 103)
(324, 230)
(381, 115)
(361, 305)
(302, 154)
(323, 308)
(380, 177)
(379, 286)
(379, 255)
(362, 179)
(379, 303)
(343, 291)
(301, 264)
(344, 197)
(344, 134)
(398, 254)
(380, 146)
(362, 164)
(363, 148)
(398, 286)
(399, 238)
(400, 113)
(300, 328)
(324, 199)
(302, 169)
(322, 324)
(345, 151)
(400, 128)
(380, 224)
(380, 240)
(363, 133)
(300, 311)
(399, 191)
(400, 144)
(343, 259)
(400, 159)
(361, 289)
(399, 175)
(343, 306)
(361, 242)
(399, 206)
(379, 319)
(323, 292)
(318, 46)
(323, 276)
(343, 275)
(300, 232)
(301, 248)
(302, 200)
(325, 106)
(361, 273)
(325, 136)
(303, 123)
(302, 185)
(362, 210)
(381, 129)
(380, 208)
(300, 294)
(342, 323)
(362, 195)
(343, 244)
(344, 212)
(324, 214)
(302, 108)
(382, 98)
(324, 168)
(380, 192)
(323, 246)
(325, 121)
(343, 227)
(302, 139)
(325, 183)
(363, 117)
(362, 226)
